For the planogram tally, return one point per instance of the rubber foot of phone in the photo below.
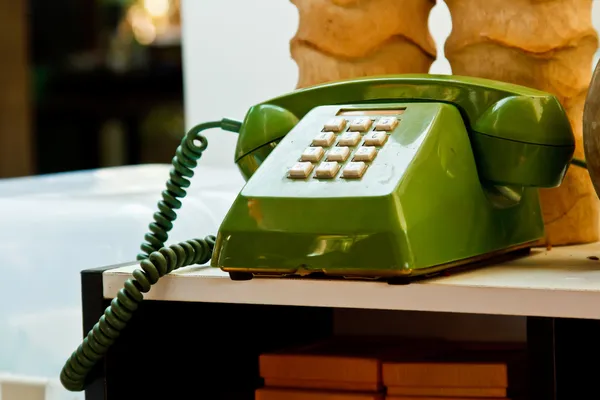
(400, 280)
(240, 276)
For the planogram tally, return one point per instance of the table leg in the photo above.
(564, 358)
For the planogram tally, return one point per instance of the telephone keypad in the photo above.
(335, 125)
(313, 154)
(339, 153)
(327, 170)
(349, 139)
(324, 139)
(365, 153)
(375, 138)
(360, 124)
(301, 170)
(344, 148)
(354, 170)
(386, 124)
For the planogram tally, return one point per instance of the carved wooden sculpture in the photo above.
(544, 44)
(338, 39)
(591, 129)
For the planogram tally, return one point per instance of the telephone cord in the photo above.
(155, 261)
(579, 163)
(186, 159)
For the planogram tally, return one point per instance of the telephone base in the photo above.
(420, 206)
(393, 277)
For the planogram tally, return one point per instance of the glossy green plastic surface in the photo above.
(263, 127)
(506, 162)
(420, 204)
(496, 109)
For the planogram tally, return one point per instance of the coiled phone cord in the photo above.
(155, 261)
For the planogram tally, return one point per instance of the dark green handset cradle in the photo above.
(378, 177)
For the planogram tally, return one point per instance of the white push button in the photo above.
(324, 139)
(300, 170)
(327, 170)
(386, 124)
(365, 153)
(338, 154)
(361, 124)
(354, 170)
(313, 154)
(335, 125)
(375, 138)
(349, 139)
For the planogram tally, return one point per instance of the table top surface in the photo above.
(557, 282)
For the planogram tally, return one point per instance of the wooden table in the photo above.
(199, 332)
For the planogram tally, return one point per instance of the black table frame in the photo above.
(210, 351)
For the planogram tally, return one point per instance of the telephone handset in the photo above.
(494, 113)
(377, 177)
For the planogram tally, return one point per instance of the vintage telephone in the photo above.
(375, 177)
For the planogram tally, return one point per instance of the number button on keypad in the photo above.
(313, 154)
(354, 170)
(361, 124)
(338, 154)
(349, 139)
(327, 170)
(324, 139)
(301, 170)
(335, 125)
(386, 124)
(365, 153)
(375, 138)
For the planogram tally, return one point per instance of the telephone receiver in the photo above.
(520, 136)
(382, 178)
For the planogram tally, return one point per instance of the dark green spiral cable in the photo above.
(156, 261)
(579, 163)
(121, 309)
(186, 159)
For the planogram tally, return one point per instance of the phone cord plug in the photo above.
(156, 261)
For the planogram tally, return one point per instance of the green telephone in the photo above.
(374, 177)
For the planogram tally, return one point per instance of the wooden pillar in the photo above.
(15, 127)
(544, 44)
(340, 39)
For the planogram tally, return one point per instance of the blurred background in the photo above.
(99, 83)
(88, 84)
